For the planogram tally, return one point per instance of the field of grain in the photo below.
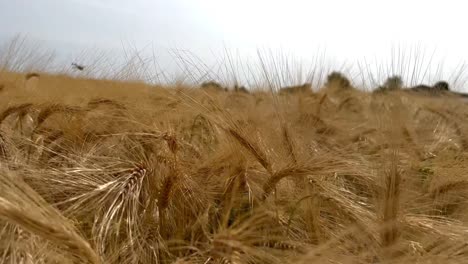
(100, 171)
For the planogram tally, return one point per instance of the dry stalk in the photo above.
(252, 148)
(167, 189)
(319, 105)
(21, 109)
(3, 148)
(173, 177)
(289, 143)
(391, 204)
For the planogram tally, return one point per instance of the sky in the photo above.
(346, 31)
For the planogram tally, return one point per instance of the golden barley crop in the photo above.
(103, 171)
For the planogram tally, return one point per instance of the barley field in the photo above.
(107, 171)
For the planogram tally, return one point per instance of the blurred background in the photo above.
(368, 40)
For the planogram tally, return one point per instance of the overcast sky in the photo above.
(344, 29)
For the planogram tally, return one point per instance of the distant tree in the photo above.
(439, 87)
(306, 87)
(212, 85)
(392, 83)
(240, 89)
(337, 79)
(442, 86)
